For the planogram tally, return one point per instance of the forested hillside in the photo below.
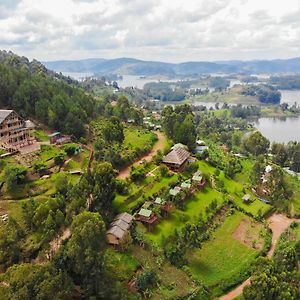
(33, 91)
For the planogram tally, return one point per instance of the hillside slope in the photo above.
(130, 66)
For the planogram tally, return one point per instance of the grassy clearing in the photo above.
(295, 201)
(238, 187)
(136, 138)
(143, 190)
(122, 264)
(41, 136)
(173, 282)
(223, 256)
(232, 95)
(192, 210)
(78, 162)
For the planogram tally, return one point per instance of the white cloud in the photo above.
(170, 30)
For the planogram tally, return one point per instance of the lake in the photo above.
(290, 96)
(139, 82)
(280, 130)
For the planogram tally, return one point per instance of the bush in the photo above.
(145, 281)
(70, 149)
(137, 174)
(122, 186)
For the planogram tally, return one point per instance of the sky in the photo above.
(164, 30)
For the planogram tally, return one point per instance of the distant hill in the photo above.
(131, 66)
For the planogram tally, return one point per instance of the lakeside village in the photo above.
(163, 193)
(18, 137)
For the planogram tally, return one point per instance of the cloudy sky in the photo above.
(169, 30)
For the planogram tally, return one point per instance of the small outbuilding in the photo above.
(247, 198)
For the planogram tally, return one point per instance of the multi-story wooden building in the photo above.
(14, 131)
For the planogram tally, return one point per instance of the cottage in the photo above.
(119, 230)
(58, 138)
(53, 137)
(174, 192)
(186, 185)
(198, 180)
(14, 131)
(247, 198)
(177, 158)
(147, 217)
(165, 207)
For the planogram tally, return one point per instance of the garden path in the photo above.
(159, 146)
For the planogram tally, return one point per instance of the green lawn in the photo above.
(141, 191)
(137, 138)
(173, 283)
(121, 264)
(236, 186)
(40, 135)
(222, 256)
(231, 95)
(191, 212)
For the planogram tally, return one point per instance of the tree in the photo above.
(59, 158)
(122, 109)
(103, 181)
(39, 166)
(13, 175)
(164, 170)
(10, 235)
(113, 131)
(280, 153)
(256, 144)
(145, 281)
(268, 282)
(137, 174)
(84, 249)
(40, 282)
(28, 209)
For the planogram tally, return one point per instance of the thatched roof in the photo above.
(117, 232)
(126, 217)
(121, 224)
(177, 156)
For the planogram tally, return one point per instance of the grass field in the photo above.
(173, 283)
(232, 95)
(192, 210)
(223, 256)
(236, 188)
(136, 138)
(145, 189)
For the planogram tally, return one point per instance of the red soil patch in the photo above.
(247, 233)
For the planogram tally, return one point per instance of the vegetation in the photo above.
(57, 203)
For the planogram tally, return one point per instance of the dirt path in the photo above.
(56, 243)
(159, 145)
(278, 223)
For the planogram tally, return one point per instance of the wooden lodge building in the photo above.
(14, 131)
(119, 230)
(177, 158)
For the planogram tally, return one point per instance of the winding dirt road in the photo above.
(159, 145)
(278, 223)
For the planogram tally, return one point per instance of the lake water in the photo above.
(77, 75)
(280, 130)
(139, 82)
(290, 97)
